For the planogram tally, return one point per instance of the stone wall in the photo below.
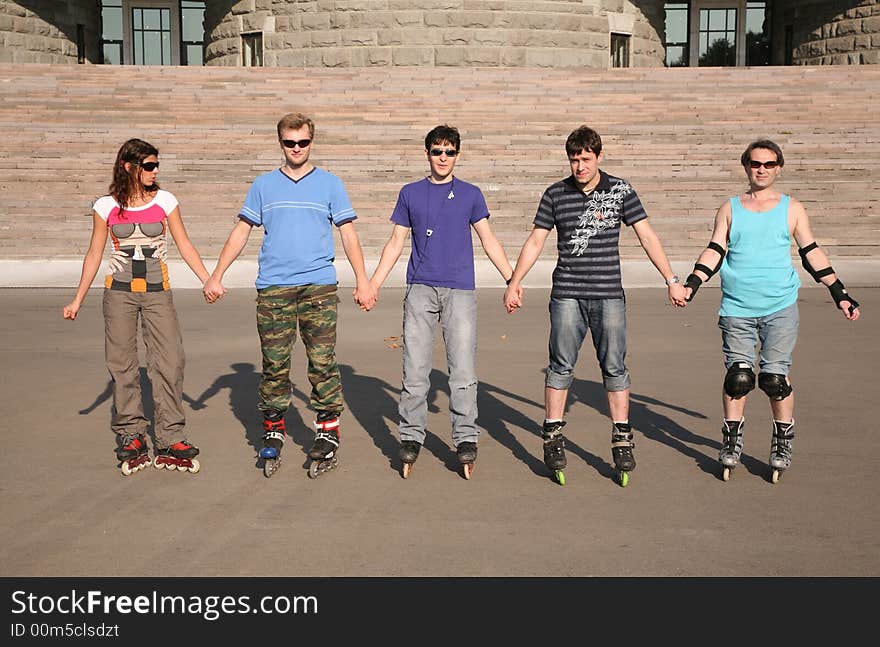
(35, 31)
(830, 32)
(434, 33)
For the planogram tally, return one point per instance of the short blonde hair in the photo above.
(295, 121)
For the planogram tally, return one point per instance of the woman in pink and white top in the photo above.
(136, 214)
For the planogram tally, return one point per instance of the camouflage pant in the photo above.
(279, 311)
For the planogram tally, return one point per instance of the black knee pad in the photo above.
(774, 385)
(740, 379)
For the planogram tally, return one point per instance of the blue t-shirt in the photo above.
(757, 276)
(298, 246)
(445, 257)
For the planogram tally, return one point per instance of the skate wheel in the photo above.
(196, 466)
(725, 474)
(560, 477)
(158, 464)
(468, 470)
(126, 469)
(407, 469)
(270, 466)
(623, 479)
(314, 469)
(774, 478)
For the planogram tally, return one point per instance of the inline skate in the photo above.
(133, 455)
(622, 451)
(181, 455)
(554, 449)
(326, 445)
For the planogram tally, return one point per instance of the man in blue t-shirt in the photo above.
(296, 205)
(439, 212)
(751, 246)
(587, 209)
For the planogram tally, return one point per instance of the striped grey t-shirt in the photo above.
(588, 235)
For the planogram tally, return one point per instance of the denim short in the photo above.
(777, 333)
(570, 319)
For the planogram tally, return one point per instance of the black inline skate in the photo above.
(181, 455)
(409, 454)
(326, 445)
(467, 455)
(622, 451)
(133, 455)
(554, 449)
(780, 448)
(731, 446)
(273, 441)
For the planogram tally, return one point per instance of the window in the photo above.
(757, 33)
(677, 41)
(110, 51)
(717, 37)
(252, 49)
(192, 33)
(620, 50)
(151, 36)
(789, 45)
(80, 44)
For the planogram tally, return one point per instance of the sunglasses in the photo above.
(437, 152)
(149, 166)
(767, 165)
(291, 143)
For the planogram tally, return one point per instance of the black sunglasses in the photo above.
(149, 166)
(291, 143)
(437, 152)
(757, 164)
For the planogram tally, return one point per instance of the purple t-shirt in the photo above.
(444, 257)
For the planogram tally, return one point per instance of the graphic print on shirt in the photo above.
(137, 262)
(601, 212)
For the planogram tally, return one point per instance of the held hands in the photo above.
(213, 290)
(365, 295)
(678, 295)
(513, 297)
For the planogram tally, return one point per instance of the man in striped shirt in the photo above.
(587, 209)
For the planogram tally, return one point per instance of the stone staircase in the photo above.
(676, 134)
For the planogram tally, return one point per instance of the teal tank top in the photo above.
(757, 275)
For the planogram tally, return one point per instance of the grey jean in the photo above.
(155, 312)
(455, 311)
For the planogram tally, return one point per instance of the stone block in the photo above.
(482, 56)
(871, 25)
(449, 56)
(291, 58)
(243, 7)
(315, 21)
(358, 37)
(848, 27)
(328, 38)
(513, 56)
(389, 37)
(871, 57)
(407, 56)
(839, 45)
(426, 5)
(378, 55)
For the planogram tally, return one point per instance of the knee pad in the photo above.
(774, 385)
(740, 379)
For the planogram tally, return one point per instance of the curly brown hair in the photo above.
(125, 183)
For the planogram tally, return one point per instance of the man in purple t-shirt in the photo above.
(439, 211)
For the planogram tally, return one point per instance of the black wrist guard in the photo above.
(693, 282)
(839, 293)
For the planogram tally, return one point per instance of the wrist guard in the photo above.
(839, 293)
